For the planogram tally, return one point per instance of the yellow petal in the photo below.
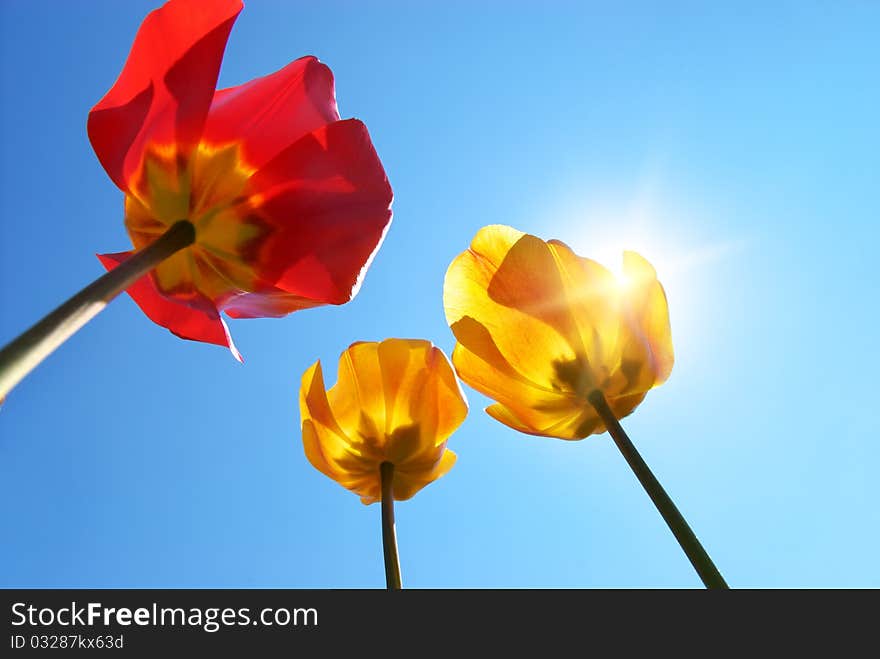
(408, 482)
(646, 300)
(329, 444)
(442, 406)
(312, 446)
(624, 405)
(486, 370)
(505, 415)
(577, 423)
(593, 295)
(357, 399)
(539, 327)
(423, 403)
(509, 283)
(395, 401)
(402, 364)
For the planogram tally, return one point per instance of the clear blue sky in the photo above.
(734, 144)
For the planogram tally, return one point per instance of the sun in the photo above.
(672, 240)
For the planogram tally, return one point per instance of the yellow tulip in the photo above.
(565, 347)
(395, 402)
(541, 329)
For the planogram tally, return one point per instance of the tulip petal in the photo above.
(423, 403)
(592, 293)
(482, 366)
(164, 91)
(403, 373)
(576, 423)
(407, 483)
(268, 114)
(442, 407)
(624, 405)
(650, 311)
(394, 401)
(271, 303)
(312, 446)
(357, 399)
(645, 354)
(510, 283)
(329, 202)
(539, 328)
(505, 415)
(327, 445)
(202, 324)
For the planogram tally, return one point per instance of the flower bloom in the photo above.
(396, 401)
(540, 328)
(289, 203)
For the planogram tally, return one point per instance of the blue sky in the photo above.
(733, 144)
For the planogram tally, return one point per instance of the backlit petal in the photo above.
(268, 114)
(539, 328)
(357, 398)
(624, 405)
(592, 294)
(164, 91)
(271, 303)
(404, 379)
(481, 365)
(423, 403)
(329, 203)
(396, 401)
(649, 310)
(407, 483)
(187, 322)
(509, 283)
(329, 448)
(442, 407)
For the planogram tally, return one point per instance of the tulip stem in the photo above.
(23, 354)
(692, 548)
(389, 533)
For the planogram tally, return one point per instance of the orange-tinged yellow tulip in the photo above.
(564, 347)
(540, 328)
(397, 401)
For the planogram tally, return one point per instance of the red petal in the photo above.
(273, 303)
(329, 201)
(269, 114)
(164, 91)
(182, 320)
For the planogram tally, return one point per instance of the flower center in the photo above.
(210, 189)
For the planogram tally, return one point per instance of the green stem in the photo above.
(389, 533)
(692, 548)
(23, 354)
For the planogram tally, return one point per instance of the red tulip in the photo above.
(288, 202)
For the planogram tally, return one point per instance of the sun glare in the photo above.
(672, 240)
